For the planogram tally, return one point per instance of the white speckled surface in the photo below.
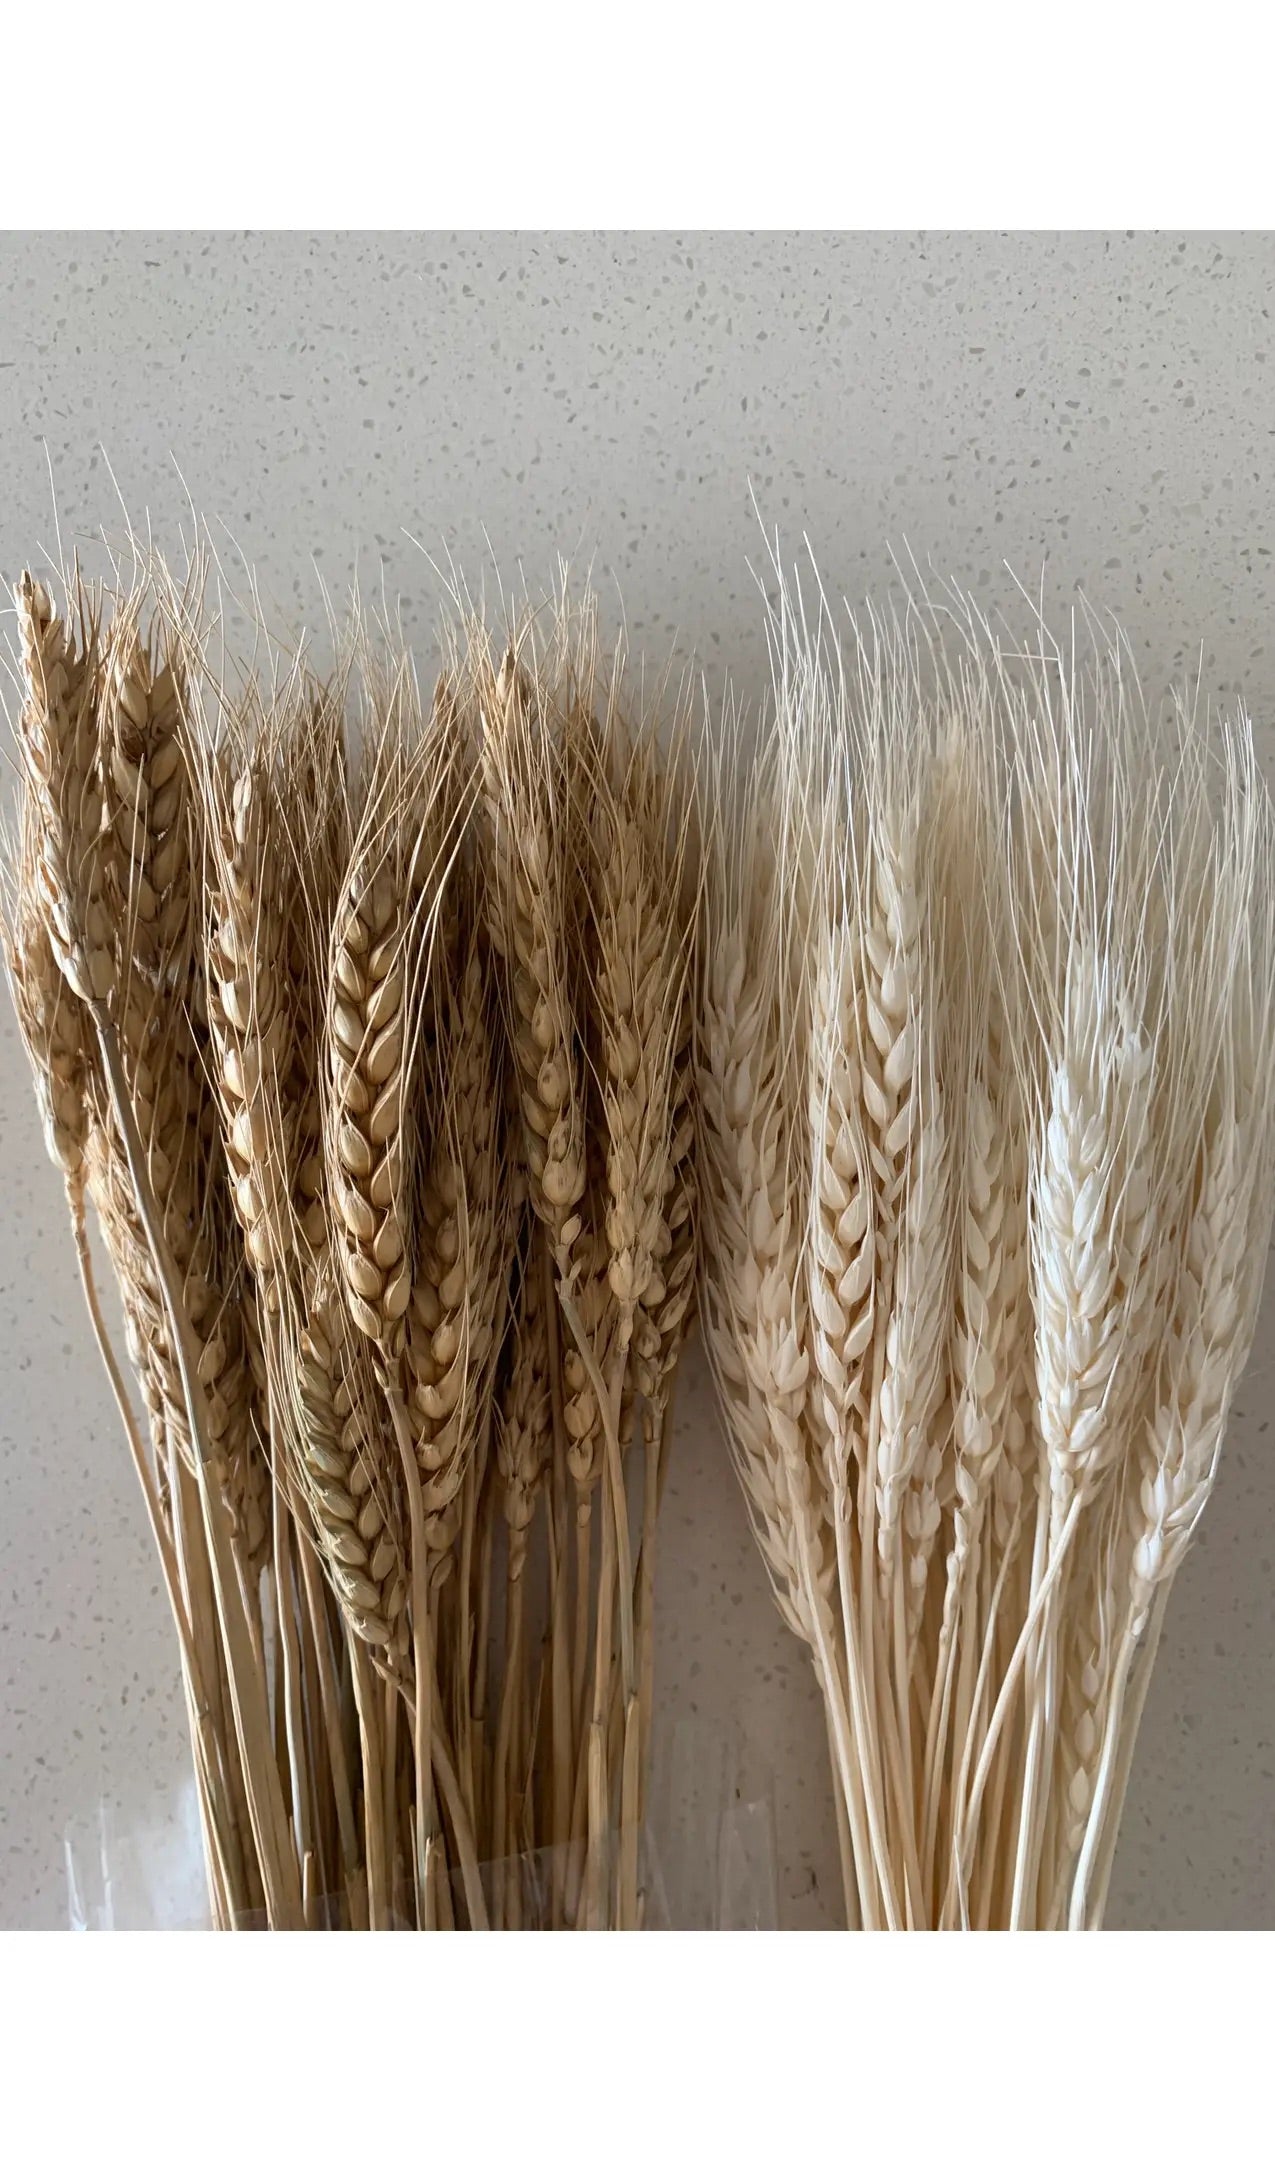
(1100, 404)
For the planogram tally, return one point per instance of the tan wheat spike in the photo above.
(144, 753)
(522, 1425)
(665, 1318)
(391, 924)
(525, 809)
(51, 1024)
(323, 1378)
(667, 810)
(384, 933)
(643, 956)
(456, 1314)
(248, 1004)
(312, 824)
(595, 1315)
(61, 761)
(367, 1031)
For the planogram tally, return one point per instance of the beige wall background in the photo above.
(1096, 409)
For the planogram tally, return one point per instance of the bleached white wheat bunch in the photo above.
(984, 1074)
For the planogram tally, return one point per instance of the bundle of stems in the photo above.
(362, 1019)
(984, 1073)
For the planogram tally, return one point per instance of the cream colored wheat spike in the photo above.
(966, 1227)
(1086, 1652)
(1223, 996)
(1223, 1263)
(990, 1153)
(527, 810)
(909, 1449)
(903, 1125)
(841, 1246)
(905, 1120)
(1092, 1190)
(841, 1254)
(1041, 903)
(986, 1342)
(820, 740)
(1169, 842)
(1093, 1174)
(1085, 1675)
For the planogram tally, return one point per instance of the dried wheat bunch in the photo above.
(363, 1018)
(982, 1065)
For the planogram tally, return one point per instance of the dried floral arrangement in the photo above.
(984, 1072)
(407, 1047)
(363, 1020)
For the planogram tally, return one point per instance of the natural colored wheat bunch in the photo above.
(281, 945)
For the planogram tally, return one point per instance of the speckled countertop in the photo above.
(1099, 406)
